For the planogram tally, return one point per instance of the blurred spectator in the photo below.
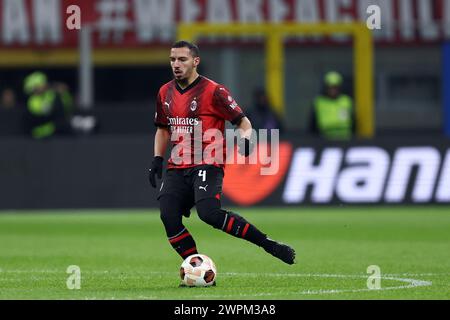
(50, 109)
(332, 114)
(262, 114)
(63, 90)
(8, 99)
(45, 113)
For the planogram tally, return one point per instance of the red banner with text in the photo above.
(131, 23)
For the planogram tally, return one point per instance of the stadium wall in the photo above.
(111, 172)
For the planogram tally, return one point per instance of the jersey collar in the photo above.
(193, 84)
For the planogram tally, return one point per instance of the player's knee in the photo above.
(165, 217)
(172, 223)
(170, 215)
(209, 211)
(207, 215)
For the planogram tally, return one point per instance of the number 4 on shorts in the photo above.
(202, 173)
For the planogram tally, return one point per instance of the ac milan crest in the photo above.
(194, 105)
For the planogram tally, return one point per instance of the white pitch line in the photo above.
(416, 274)
(411, 283)
(322, 275)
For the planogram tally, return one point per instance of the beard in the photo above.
(178, 75)
(182, 77)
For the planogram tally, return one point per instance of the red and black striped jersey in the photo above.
(196, 119)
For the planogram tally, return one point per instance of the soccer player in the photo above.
(185, 104)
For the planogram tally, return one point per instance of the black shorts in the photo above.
(192, 185)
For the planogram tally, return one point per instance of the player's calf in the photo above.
(179, 237)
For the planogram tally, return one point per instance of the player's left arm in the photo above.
(227, 108)
(244, 128)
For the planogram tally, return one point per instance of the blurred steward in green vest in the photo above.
(332, 112)
(48, 107)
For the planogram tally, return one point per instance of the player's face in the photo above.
(183, 63)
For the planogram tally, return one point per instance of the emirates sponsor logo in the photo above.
(179, 121)
(183, 125)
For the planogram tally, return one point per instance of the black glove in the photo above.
(245, 146)
(156, 168)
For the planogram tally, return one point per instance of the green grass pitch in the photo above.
(124, 254)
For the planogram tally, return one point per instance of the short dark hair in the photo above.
(195, 52)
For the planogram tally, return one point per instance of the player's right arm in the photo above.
(162, 137)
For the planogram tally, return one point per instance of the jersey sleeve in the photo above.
(160, 113)
(225, 106)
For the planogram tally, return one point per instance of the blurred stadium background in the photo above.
(398, 76)
(115, 64)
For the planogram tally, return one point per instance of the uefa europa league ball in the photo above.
(198, 270)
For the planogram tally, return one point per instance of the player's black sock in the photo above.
(209, 210)
(183, 243)
(237, 226)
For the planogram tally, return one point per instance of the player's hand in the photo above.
(155, 169)
(245, 147)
